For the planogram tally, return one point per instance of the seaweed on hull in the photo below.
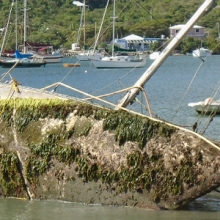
(58, 147)
(73, 151)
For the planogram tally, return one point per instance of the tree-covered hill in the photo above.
(57, 21)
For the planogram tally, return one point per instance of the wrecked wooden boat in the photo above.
(59, 147)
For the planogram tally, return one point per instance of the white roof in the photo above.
(180, 26)
(77, 3)
(133, 37)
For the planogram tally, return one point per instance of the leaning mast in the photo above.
(132, 93)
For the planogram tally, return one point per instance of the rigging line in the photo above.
(188, 89)
(199, 120)
(163, 45)
(101, 34)
(8, 38)
(148, 12)
(65, 77)
(123, 8)
(8, 20)
(97, 38)
(105, 95)
(110, 84)
(212, 113)
(211, 119)
(147, 102)
(148, 108)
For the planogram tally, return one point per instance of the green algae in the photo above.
(11, 180)
(143, 172)
(127, 127)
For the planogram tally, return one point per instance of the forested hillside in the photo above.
(57, 21)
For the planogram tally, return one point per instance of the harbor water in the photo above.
(179, 80)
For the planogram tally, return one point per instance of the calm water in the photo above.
(166, 92)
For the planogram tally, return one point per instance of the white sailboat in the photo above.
(208, 106)
(85, 55)
(201, 52)
(118, 61)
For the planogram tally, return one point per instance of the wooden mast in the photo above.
(132, 93)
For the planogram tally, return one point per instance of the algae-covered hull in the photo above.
(58, 148)
(73, 151)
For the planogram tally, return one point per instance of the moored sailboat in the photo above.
(86, 54)
(201, 52)
(114, 61)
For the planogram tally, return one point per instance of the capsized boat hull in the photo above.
(100, 157)
(81, 152)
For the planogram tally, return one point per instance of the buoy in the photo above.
(85, 71)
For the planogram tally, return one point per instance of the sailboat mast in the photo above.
(113, 29)
(16, 26)
(84, 23)
(132, 93)
(6, 28)
(25, 25)
(97, 37)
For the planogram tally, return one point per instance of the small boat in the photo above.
(119, 62)
(201, 52)
(154, 55)
(89, 55)
(23, 62)
(71, 64)
(49, 58)
(209, 106)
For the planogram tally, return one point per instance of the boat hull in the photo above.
(213, 108)
(119, 62)
(156, 165)
(154, 55)
(89, 56)
(49, 58)
(22, 65)
(201, 52)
